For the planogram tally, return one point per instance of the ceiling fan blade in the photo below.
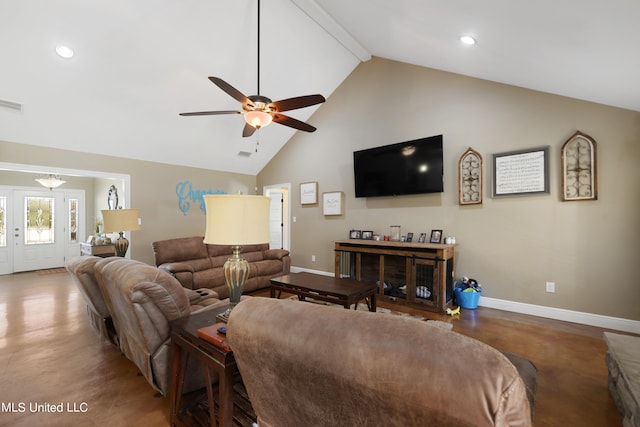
(232, 91)
(297, 102)
(211, 113)
(292, 123)
(248, 130)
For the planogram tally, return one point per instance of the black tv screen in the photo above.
(410, 167)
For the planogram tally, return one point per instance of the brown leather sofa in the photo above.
(196, 264)
(142, 301)
(311, 365)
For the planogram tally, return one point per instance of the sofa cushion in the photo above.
(176, 250)
(266, 268)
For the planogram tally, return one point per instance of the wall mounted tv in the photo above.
(410, 167)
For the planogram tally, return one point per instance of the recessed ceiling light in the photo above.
(468, 40)
(64, 51)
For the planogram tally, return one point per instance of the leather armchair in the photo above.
(81, 269)
(143, 300)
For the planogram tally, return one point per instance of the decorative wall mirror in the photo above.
(470, 178)
(579, 168)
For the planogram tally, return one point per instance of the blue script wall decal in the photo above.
(186, 195)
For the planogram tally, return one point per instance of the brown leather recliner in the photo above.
(81, 269)
(143, 300)
(311, 365)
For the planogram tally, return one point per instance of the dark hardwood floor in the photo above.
(50, 356)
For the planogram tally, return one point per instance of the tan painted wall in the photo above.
(512, 246)
(153, 190)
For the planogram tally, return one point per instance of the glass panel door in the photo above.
(39, 214)
(38, 232)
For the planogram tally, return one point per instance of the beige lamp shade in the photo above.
(234, 219)
(118, 220)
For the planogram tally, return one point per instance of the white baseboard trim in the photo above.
(598, 320)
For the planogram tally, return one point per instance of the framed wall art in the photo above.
(332, 203)
(309, 193)
(521, 172)
(470, 178)
(579, 178)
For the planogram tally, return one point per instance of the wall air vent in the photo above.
(244, 153)
(10, 105)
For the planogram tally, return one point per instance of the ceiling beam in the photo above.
(335, 30)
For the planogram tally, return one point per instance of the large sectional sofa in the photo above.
(198, 265)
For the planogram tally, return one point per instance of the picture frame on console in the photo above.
(367, 235)
(422, 237)
(355, 234)
(409, 237)
(436, 236)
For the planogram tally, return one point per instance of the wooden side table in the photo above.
(185, 344)
(98, 250)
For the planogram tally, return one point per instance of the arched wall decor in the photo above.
(579, 175)
(470, 178)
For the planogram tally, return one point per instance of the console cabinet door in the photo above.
(424, 282)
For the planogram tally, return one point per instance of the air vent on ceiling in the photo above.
(244, 153)
(11, 105)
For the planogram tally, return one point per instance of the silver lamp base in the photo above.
(236, 271)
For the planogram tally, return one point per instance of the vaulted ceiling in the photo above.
(138, 64)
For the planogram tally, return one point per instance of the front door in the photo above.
(39, 229)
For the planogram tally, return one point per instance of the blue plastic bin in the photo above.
(468, 300)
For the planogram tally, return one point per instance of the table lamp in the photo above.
(119, 221)
(236, 220)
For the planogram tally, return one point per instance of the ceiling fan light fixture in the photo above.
(258, 119)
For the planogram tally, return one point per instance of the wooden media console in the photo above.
(410, 273)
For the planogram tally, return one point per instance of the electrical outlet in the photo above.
(313, 258)
(551, 287)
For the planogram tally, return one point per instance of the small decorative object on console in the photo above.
(211, 334)
(395, 233)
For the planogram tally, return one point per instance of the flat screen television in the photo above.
(410, 167)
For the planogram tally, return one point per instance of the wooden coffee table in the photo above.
(345, 292)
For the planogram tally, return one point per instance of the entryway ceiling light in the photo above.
(50, 181)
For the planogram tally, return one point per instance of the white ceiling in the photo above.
(140, 63)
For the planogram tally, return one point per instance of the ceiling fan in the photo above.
(259, 110)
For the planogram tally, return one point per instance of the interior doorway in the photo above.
(279, 215)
